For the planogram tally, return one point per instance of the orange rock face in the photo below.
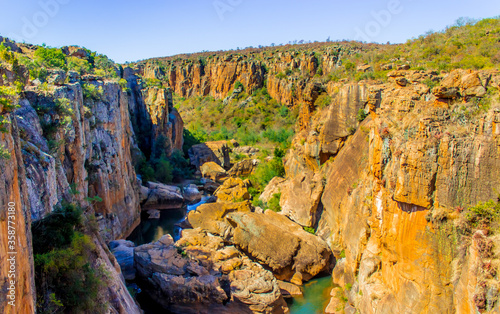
(13, 191)
(391, 191)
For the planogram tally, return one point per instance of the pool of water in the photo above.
(315, 299)
(316, 292)
(151, 230)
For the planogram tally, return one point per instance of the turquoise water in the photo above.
(315, 299)
(316, 292)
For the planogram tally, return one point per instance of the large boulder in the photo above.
(466, 82)
(252, 288)
(233, 190)
(301, 196)
(244, 168)
(162, 196)
(198, 274)
(124, 253)
(292, 253)
(212, 171)
(212, 217)
(191, 194)
(273, 187)
(176, 282)
(217, 152)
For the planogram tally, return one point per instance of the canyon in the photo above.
(381, 186)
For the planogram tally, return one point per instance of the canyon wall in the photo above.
(13, 202)
(387, 191)
(73, 140)
(393, 191)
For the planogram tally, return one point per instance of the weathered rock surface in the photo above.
(273, 187)
(217, 152)
(124, 253)
(212, 217)
(243, 168)
(162, 196)
(392, 189)
(213, 171)
(233, 190)
(14, 202)
(175, 281)
(204, 279)
(294, 255)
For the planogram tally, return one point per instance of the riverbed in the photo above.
(316, 292)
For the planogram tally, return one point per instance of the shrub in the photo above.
(7, 98)
(274, 202)
(163, 171)
(284, 111)
(238, 85)
(181, 168)
(349, 66)
(430, 83)
(57, 229)
(310, 230)
(323, 101)
(482, 213)
(124, 85)
(79, 65)
(4, 153)
(66, 272)
(103, 65)
(51, 57)
(92, 92)
(281, 75)
(361, 116)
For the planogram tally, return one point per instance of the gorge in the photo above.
(374, 166)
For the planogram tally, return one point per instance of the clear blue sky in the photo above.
(132, 30)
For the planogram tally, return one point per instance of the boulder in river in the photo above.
(161, 196)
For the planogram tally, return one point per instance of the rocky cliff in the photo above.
(14, 201)
(216, 74)
(388, 198)
(383, 169)
(73, 139)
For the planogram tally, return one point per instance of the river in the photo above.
(316, 292)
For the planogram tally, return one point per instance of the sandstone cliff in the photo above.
(74, 139)
(387, 197)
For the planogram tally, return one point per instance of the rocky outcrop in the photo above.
(206, 281)
(394, 189)
(233, 190)
(175, 281)
(217, 152)
(115, 292)
(212, 171)
(216, 77)
(243, 168)
(154, 119)
(18, 285)
(87, 158)
(295, 255)
(162, 196)
(252, 288)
